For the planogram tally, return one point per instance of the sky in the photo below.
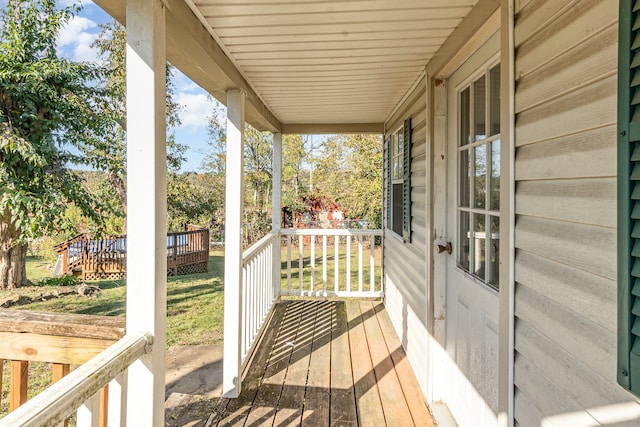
(75, 42)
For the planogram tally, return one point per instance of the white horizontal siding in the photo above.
(565, 232)
(404, 266)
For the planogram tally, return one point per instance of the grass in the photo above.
(331, 268)
(194, 302)
(194, 311)
(38, 268)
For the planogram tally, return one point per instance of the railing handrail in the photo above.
(331, 232)
(187, 232)
(258, 246)
(59, 400)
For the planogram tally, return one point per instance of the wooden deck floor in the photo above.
(327, 363)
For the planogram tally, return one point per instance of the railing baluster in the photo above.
(58, 371)
(257, 301)
(243, 326)
(288, 264)
(360, 268)
(300, 263)
(253, 295)
(336, 273)
(103, 419)
(88, 413)
(348, 264)
(18, 384)
(313, 265)
(324, 266)
(372, 263)
(117, 406)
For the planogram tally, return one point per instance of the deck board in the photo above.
(368, 403)
(394, 404)
(322, 363)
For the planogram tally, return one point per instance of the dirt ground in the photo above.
(193, 384)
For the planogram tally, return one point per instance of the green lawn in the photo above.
(331, 268)
(194, 311)
(194, 302)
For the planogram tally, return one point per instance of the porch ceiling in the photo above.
(308, 65)
(334, 62)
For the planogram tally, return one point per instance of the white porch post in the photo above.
(147, 206)
(231, 370)
(276, 209)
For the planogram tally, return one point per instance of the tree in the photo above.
(49, 106)
(111, 155)
(196, 199)
(349, 169)
(296, 153)
(258, 152)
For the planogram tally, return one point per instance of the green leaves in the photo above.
(48, 106)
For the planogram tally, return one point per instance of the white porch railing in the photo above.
(333, 262)
(80, 390)
(319, 263)
(260, 266)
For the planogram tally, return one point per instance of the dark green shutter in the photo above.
(629, 196)
(406, 187)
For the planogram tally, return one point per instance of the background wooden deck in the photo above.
(324, 363)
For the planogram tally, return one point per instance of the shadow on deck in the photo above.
(324, 363)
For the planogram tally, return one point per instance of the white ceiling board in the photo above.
(336, 61)
(311, 62)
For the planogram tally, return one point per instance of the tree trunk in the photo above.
(117, 183)
(13, 256)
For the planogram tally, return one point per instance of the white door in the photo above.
(473, 228)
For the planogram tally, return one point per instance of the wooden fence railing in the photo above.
(60, 339)
(188, 251)
(106, 258)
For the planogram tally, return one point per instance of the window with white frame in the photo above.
(478, 205)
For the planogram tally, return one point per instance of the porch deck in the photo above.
(324, 363)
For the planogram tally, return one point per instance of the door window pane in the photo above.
(480, 177)
(479, 239)
(463, 241)
(464, 178)
(479, 109)
(465, 117)
(494, 252)
(495, 176)
(494, 100)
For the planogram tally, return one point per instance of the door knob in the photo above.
(446, 248)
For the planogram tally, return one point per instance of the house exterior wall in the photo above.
(404, 266)
(565, 208)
